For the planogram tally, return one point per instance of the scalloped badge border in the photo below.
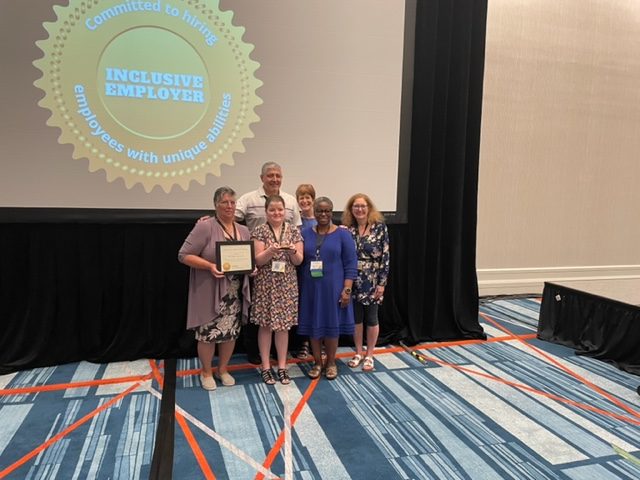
(77, 133)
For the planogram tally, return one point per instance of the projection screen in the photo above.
(149, 106)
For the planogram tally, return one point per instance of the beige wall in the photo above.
(559, 191)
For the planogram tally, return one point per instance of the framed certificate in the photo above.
(235, 257)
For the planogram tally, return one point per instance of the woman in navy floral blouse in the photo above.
(370, 234)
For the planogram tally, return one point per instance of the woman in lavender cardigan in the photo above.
(218, 303)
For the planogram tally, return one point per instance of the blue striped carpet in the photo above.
(510, 407)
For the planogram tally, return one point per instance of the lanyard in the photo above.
(227, 235)
(319, 241)
(282, 229)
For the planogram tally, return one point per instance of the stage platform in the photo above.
(594, 325)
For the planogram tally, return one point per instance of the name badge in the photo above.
(278, 266)
(315, 267)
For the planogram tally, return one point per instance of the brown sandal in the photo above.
(283, 376)
(331, 372)
(303, 352)
(315, 371)
(267, 376)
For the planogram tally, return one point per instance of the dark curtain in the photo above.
(115, 291)
(594, 326)
(441, 281)
(97, 292)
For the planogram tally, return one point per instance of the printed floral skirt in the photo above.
(227, 325)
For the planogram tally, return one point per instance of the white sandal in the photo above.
(355, 361)
(368, 364)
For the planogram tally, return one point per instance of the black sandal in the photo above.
(267, 376)
(303, 352)
(283, 376)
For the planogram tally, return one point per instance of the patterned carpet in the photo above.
(508, 407)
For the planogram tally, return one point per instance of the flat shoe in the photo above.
(355, 361)
(226, 379)
(208, 383)
(332, 372)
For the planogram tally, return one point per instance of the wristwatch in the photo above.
(346, 290)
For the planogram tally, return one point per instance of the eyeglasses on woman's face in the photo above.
(359, 206)
(323, 211)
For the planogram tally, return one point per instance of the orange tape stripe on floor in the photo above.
(188, 434)
(294, 416)
(64, 386)
(553, 361)
(424, 346)
(431, 346)
(156, 372)
(66, 431)
(195, 447)
(533, 390)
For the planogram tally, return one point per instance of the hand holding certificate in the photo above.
(235, 256)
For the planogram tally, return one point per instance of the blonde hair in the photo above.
(374, 216)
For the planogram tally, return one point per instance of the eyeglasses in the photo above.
(324, 212)
(359, 207)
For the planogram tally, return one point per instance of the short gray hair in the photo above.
(320, 200)
(268, 166)
(221, 192)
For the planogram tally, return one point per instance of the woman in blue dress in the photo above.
(370, 235)
(328, 271)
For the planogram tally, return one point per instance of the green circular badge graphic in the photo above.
(154, 92)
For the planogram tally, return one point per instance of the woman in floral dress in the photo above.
(278, 248)
(370, 234)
